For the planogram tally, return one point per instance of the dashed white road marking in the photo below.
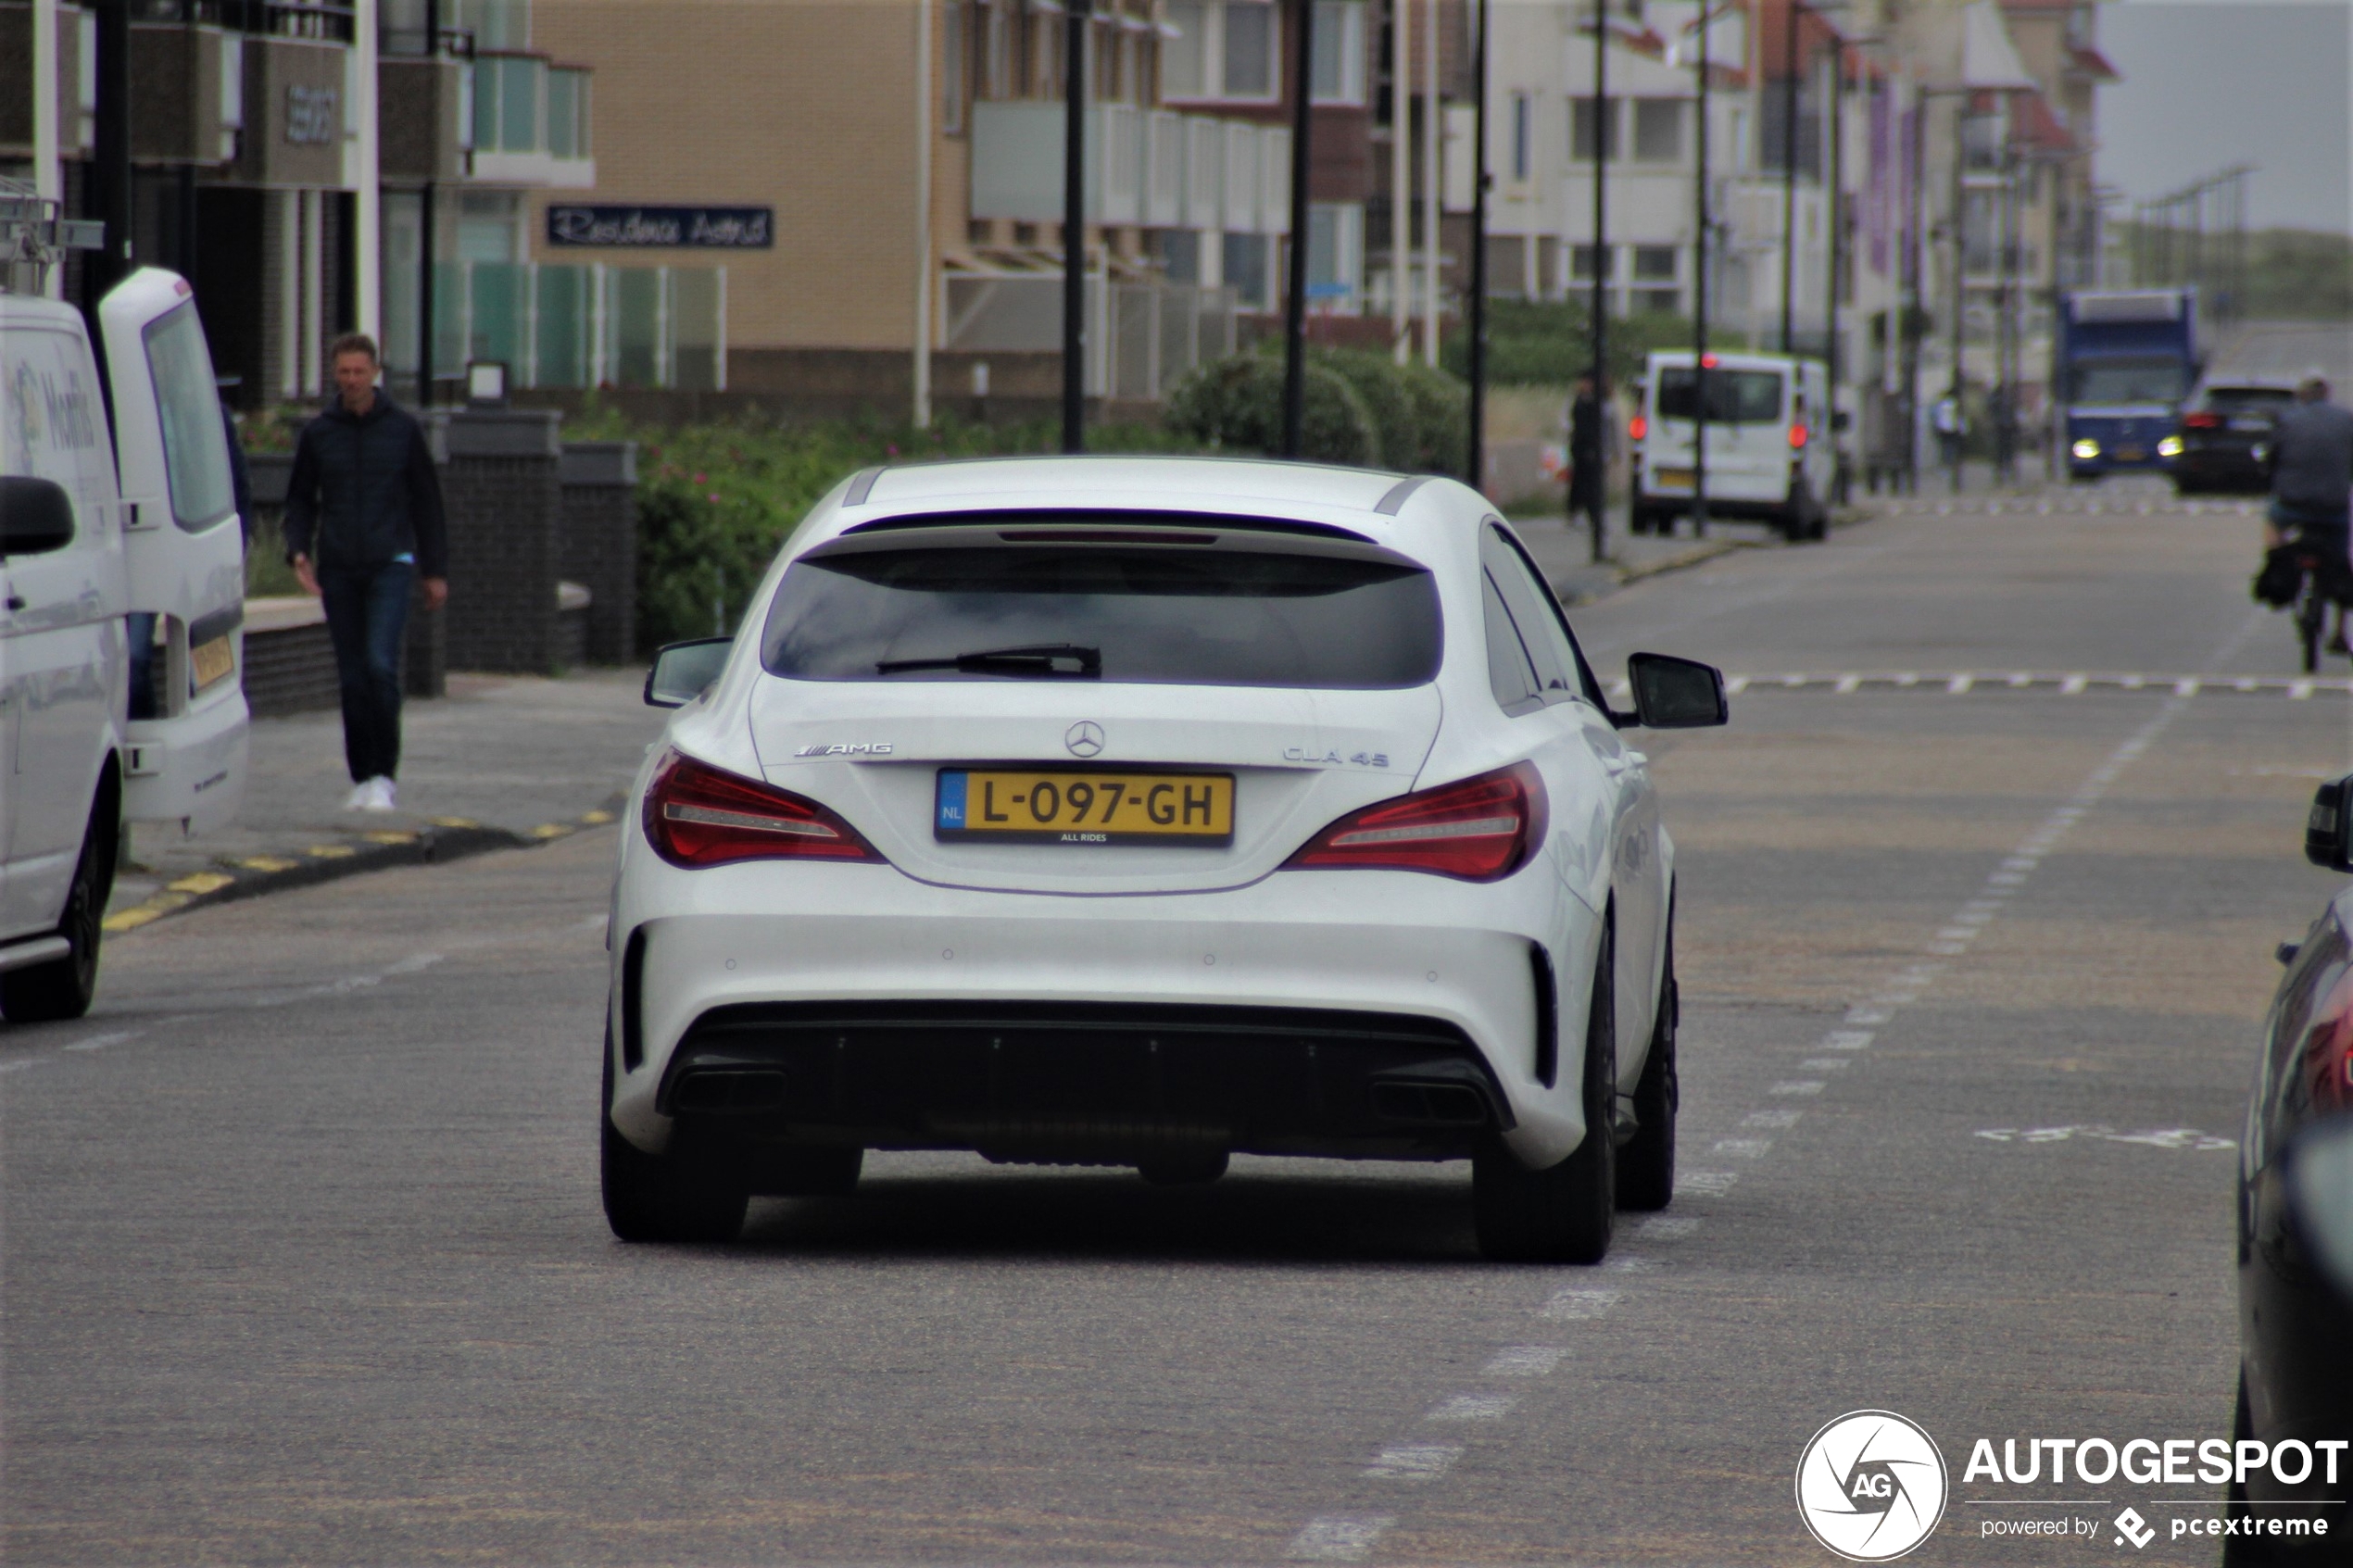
(1704, 1184)
(100, 1042)
(1579, 1306)
(1742, 1148)
(1826, 1064)
(2159, 1137)
(1413, 1462)
(1473, 1407)
(1628, 1264)
(1338, 1538)
(1778, 1119)
(1524, 1361)
(1666, 1227)
(1797, 1086)
(2073, 683)
(1847, 1040)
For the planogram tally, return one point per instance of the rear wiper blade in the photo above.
(1044, 659)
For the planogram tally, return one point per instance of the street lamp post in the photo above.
(1475, 461)
(1789, 174)
(1601, 262)
(1073, 223)
(1295, 279)
(1699, 300)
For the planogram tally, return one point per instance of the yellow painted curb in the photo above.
(331, 851)
(268, 864)
(202, 881)
(387, 835)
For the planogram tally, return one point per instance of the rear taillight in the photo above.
(1638, 427)
(1797, 438)
(1478, 830)
(2203, 422)
(697, 815)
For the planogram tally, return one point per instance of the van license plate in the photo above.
(1023, 805)
(213, 661)
(1671, 479)
(2131, 453)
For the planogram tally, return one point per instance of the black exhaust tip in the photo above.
(1430, 1105)
(727, 1092)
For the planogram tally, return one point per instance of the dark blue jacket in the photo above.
(364, 491)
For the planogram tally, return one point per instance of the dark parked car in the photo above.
(2224, 442)
(2296, 1230)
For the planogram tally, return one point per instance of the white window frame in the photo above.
(1342, 23)
(1212, 89)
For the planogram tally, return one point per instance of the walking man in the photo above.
(363, 524)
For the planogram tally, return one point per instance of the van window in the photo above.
(196, 450)
(1734, 397)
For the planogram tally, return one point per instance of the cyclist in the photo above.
(2312, 483)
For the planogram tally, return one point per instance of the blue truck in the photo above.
(2127, 359)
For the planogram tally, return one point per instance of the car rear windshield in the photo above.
(1182, 614)
(1734, 397)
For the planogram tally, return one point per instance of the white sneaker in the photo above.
(384, 795)
(362, 798)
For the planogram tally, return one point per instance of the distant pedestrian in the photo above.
(1950, 429)
(2312, 488)
(363, 526)
(1588, 455)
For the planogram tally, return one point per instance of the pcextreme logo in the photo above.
(1871, 1485)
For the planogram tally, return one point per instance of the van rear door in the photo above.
(185, 552)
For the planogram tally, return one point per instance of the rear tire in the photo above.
(1563, 1213)
(1646, 1165)
(64, 989)
(664, 1197)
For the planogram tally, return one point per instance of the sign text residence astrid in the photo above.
(653, 228)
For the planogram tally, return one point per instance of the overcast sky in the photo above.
(2212, 82)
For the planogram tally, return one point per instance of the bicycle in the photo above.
(2311, 609)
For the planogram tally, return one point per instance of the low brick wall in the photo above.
(599, 545)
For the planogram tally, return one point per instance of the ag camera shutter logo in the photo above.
(1871, 1485)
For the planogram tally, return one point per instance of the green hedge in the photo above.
(1358, 409)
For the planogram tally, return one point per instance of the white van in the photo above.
(1771, 455)
(115, 496)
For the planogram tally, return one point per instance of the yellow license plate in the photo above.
(2131, 453)
(1082, 807)
(213, 660)
(1672, 479)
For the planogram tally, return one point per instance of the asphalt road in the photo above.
(303, 1259)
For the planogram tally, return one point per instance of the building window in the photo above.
(1245, 270)
(1523, 137)
(1225, 50)
(1582, 129)
(1580, 263)
(1340, 52)
(1250, 50)
(1335, 254)
(1653, 264)
(1658, 130)
(1178, 253)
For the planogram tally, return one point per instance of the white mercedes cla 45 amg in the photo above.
(1137, 811)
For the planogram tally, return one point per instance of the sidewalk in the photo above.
(502, 760)
(1564, 553)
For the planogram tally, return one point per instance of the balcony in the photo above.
(530, 122)
(1148, 168)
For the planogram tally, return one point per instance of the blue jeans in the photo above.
(367, 611)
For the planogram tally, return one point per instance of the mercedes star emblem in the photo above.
(1084, 739)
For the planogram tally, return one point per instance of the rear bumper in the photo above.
(1299, 1014)
(1082, 1083)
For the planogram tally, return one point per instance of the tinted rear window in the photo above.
(1752, 397)
(1167, 613)
(2249, 397)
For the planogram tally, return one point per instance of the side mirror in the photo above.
(2325, 830)
(2319, 1166)
(36, 516)
(1676, 694)
(683, 671)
